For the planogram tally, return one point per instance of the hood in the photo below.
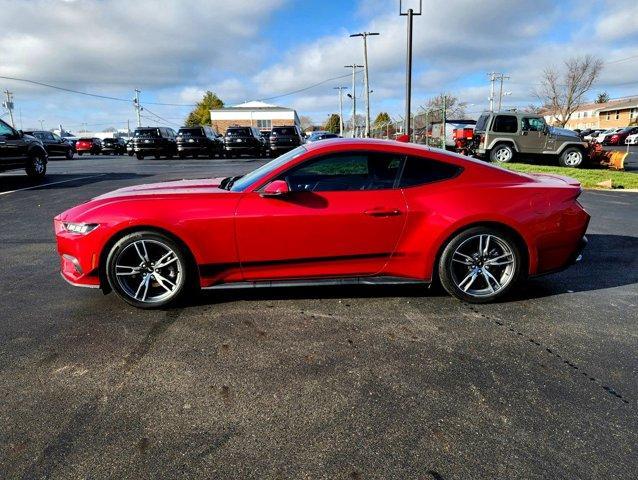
(178, 187)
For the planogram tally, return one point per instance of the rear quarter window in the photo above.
(421, 171)
(481, 123)
(505, 124)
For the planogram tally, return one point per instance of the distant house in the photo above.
(262, 115)
(618, 112)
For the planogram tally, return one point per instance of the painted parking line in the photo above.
(40, 185)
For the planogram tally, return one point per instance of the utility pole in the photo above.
(354, 98)
(366, 80)
(408, 67)
(500, 96)
(41, 124)
(492, 80)
(444, 121)
(138, 108)
(9, 105)
(341, 89)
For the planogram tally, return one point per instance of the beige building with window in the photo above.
(262, 115)
(618, 112)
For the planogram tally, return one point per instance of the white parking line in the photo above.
(52, 183)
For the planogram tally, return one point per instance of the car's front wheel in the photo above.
(571, 157)
(36, 166)
(480, 265)
(502, 153)
(147, 269)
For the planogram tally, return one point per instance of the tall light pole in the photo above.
(341, 89)
(408, 67)
(500, 96)
(354, 98)
(366, 79)
(138, 108)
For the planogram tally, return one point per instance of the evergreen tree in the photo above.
(201, 113)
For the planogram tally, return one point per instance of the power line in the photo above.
(69, 90)
(309, 87)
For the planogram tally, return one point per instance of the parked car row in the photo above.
(612, 136)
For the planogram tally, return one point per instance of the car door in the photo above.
(533, 133)
(343, 216)
(55, 145)
(13, 147)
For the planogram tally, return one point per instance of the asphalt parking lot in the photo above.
(353, 383)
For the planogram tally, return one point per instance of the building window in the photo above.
(617, 114)
(265, 124)
(585, 114)
(608, 115)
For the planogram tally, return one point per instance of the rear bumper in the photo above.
(192, 148)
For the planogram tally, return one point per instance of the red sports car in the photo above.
(337, 211)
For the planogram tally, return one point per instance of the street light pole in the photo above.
(366, 80)
(137, 107)
(408, 67)
(354, 98)
(341, 89)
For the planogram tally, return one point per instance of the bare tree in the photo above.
(306, 123)
(454, 108)
(532, 108)
(563, 92)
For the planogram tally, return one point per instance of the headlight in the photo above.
(80, 228)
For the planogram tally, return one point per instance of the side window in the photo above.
(49, 136)
(5, 130)
(532, 124)
(345, 172)
(419, 171)
(38, 135)
(505, 124)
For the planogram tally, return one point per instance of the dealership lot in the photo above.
(356, 382)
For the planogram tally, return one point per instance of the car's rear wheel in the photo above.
(157, 157)
(69, 154)
(36, 166)
(571, 157)
(480, 265)
(147, 269)
(139, 156)
(502, 153)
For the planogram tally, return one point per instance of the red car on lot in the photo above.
(365, 211)
(91, 146)
(620, 137)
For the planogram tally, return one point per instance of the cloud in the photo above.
(125, 44)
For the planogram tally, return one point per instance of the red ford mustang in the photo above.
(336, 211)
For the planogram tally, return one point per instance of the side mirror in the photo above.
(276, 188)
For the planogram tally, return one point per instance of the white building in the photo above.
(262, 115)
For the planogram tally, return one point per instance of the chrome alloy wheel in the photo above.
(503, 154)
(148, 271)
(483, 265)
(573, 158)
(39, 164)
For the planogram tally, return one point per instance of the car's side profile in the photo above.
(332, 211)
(18, 150)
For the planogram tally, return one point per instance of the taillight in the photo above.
(614, 138)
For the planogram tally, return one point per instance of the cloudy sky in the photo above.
(263, 49)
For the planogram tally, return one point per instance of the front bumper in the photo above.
(79, 256)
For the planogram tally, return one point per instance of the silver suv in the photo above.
(503, 135)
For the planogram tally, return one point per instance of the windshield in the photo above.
(244, 182)
(237, 132)
(190, 132)
(148, 133)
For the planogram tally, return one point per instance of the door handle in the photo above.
(377, 212)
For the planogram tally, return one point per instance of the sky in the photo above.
(173, 51)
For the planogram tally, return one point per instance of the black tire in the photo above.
(571, 157)
(69, 154)
(36, 167)
(181, 155)
(502, 153)
(195, 155)
(457, 277)
(178, 273)
(157, 156)
(139, 156)
(79, 154)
